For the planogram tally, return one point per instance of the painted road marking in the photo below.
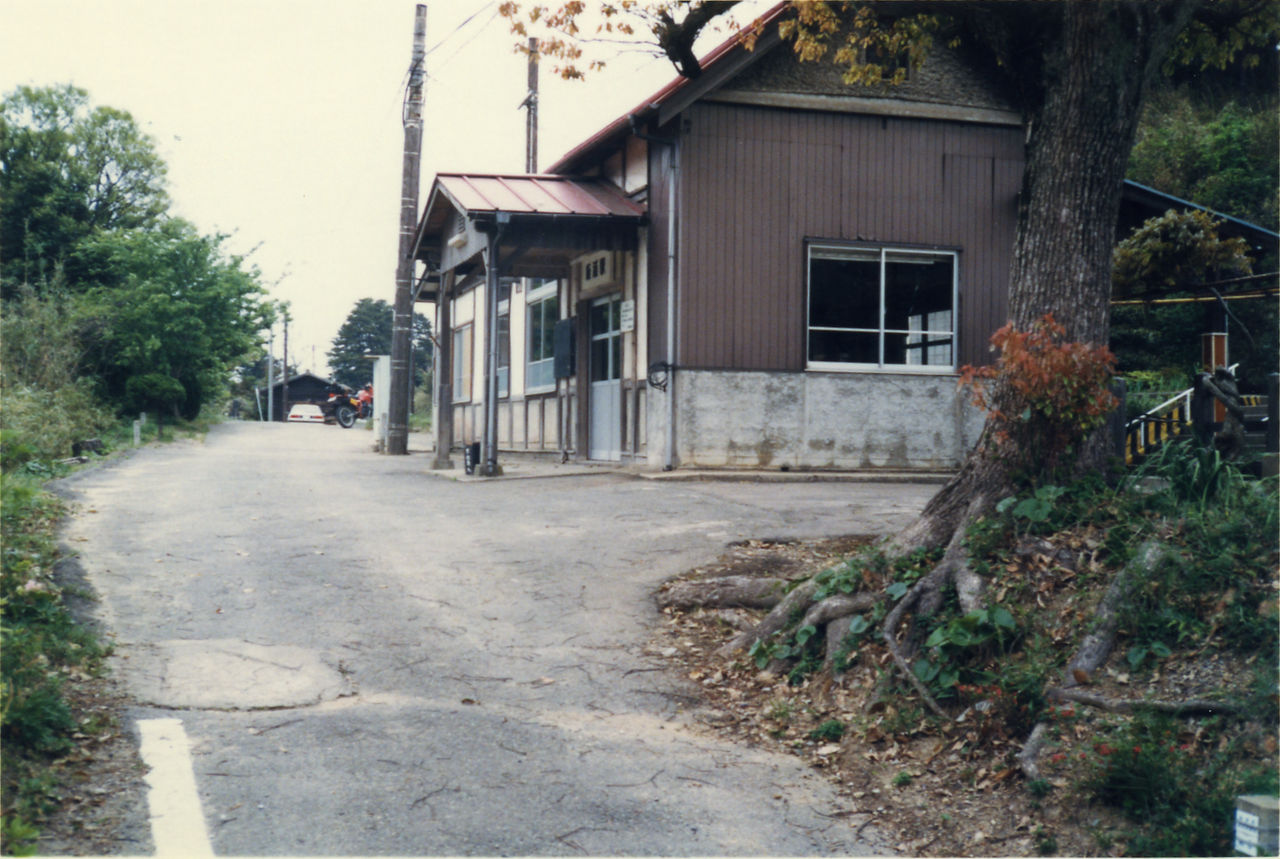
(177, 820)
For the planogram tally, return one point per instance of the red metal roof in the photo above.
(525, 194)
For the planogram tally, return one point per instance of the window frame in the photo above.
(536, 297)
(884, 252)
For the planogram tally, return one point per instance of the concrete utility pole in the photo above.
(402, 321)
(284, 371)
(271, 381)
(531, 104)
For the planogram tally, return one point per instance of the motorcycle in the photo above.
(346, 410)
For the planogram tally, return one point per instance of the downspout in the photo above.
(671, 306)
(674, 171)
(490, 451)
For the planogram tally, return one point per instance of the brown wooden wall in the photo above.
(756, 182)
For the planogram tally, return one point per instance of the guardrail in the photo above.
(1168, 420)
(1156, 426)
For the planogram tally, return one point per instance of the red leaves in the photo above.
(1043, 394)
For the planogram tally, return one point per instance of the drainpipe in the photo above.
(671, 307)
(674, 171)
(490, 445)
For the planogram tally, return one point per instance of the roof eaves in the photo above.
(691, 89)
(1146, 189)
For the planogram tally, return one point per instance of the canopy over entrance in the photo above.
(540, 223)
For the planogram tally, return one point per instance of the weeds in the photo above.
(40, 646)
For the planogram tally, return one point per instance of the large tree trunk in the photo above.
(1081, 69)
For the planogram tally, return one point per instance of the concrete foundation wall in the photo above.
(815, 420)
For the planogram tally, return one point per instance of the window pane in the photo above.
(599, 318)
(615, 357)
(844, 291)
(550, 316)
(916, 287)
(844, 347)
(600, 359)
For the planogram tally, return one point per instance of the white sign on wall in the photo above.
(628, 316)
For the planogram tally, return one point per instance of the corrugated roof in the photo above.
(531, 194)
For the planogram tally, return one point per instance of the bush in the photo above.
(1043, 395)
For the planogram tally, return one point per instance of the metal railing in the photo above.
(1167, 421)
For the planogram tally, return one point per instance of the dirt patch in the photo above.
(101, 794)
(953, 790)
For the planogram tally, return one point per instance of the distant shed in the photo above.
(303, 388)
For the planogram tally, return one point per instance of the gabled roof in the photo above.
(718, 65)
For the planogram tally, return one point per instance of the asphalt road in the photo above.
(369, 658)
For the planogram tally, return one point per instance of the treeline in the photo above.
(111, 304)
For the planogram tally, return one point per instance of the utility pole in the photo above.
(271, 360)
(284, 369)
(402, 321)
(531, 104)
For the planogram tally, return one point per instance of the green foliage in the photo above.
(830, 731)
(1180, 793)
(367, 331)
(154, 392)
(1223, 156)
(1035, 509)
(45, 403)
(66, 172)
(170, 301)
(40, 644)
(18, 836)
(1177, 251)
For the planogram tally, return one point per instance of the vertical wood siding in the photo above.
(755, 182)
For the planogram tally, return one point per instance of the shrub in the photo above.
(1043, 395)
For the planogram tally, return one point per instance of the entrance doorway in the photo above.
(605, 429)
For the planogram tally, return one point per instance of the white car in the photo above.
(306, 413)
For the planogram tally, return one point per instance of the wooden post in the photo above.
(402, 321)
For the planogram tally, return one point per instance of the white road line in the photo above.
(177, 820)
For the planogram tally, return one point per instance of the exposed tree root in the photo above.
(1189, 707)
(1094, 651)
(776, 620)
(724, 592)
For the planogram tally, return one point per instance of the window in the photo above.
(544, 312)
(504, 352)
(462, 364)
(504, 337)
(871, 308)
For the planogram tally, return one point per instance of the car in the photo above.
(306, 413)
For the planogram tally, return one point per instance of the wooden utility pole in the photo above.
(402, 321)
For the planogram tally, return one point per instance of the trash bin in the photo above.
(471, 456)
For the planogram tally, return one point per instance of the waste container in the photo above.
(471, 456)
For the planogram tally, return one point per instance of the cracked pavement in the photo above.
(371, 658)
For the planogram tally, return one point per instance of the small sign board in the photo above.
(628, 316)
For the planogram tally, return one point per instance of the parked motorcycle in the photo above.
(345, 410)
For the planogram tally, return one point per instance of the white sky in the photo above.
(280, 119)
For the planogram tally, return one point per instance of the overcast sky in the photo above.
(280, 119)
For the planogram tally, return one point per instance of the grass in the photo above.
(42, 648)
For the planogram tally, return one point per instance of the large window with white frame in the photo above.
(881, 308)
(543, 304)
